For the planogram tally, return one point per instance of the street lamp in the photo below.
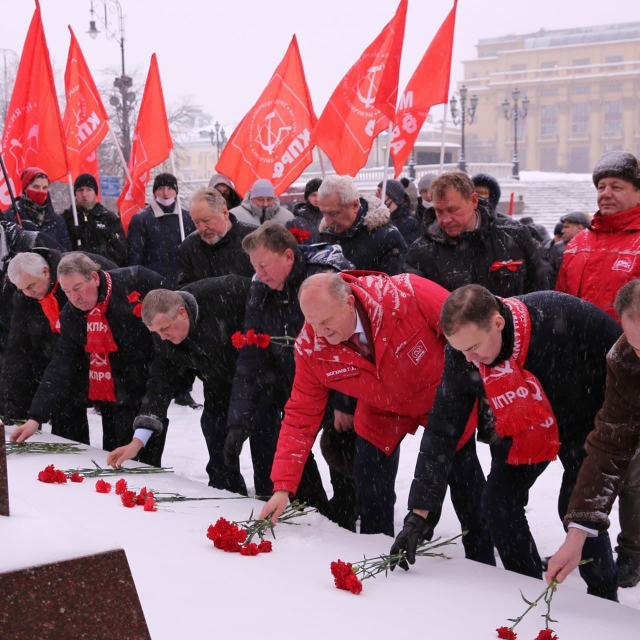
(515, 113)
(465, 117)
(124, 83)
(12, 54)
(218, 137)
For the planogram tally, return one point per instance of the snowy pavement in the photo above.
(188, 589)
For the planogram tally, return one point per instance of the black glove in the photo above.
(233, 445)
(415, 531)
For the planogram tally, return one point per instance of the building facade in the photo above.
(583, 87)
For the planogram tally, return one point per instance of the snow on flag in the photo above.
(364, 102)
(85, 122)
(273, 140)
(33, 135)
(151, 146)
(428, 86)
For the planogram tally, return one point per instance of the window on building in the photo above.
(518, 67)
(522, 129)
(613, 116)
(474, 75)
(549, 64)
(579, 160)
(613, 60)
(489, 53)
(612, 147)
(612, 88)
(580, 62)
(548, 91)
(549, 120)
(549, 159)
(580, 89)
(580, 119)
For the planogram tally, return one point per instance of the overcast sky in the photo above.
(223, 53)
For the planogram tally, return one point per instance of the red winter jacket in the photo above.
(394, 395)
(599, 261)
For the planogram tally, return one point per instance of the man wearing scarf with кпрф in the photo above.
(540, 361)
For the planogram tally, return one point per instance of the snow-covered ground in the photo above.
(190, 590)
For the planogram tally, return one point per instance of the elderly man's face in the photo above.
(479, 345)
(82, 294)
(331, 319)
(616, 195)
(263, 202)
(338, 217)
(34, 286)
(173, 329)
(271, 267)
(455, 214)
(211, 226)
(570, 230)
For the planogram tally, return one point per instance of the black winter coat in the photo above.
(276, 313)
(129, 365)
(52, 224)
(31, 344)
(567, 353)
(216, 308)
(372, 243)
(551, 253)
(308, 218)
(407, 225)
(153, 243)
(467, 259)
(198, 260)
(100, 232)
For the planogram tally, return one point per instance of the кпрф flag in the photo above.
(152, 145)
(364, 102)
(33, 135)
(273, 140)
(85, 122)
(429, 85)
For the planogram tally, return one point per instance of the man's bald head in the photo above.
(328, 306)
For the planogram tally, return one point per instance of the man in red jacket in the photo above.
(376, 338)
(597, 263)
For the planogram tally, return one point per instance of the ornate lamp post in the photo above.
(515, 113)
(218, 138)
(124, 83)
(462, 117)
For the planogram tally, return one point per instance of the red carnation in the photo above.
(353, 584)
(103, 487)
(226, 536)
(238, 340)
(506, 634)
(345, 578)
(251, 338)
(546, 634)
(76, 477)
(129, 499)
(121, 486)
(263, 340)
(143, 495)
(265, 546)
(137, 310)
(134, 296)
(150, 504)
(300, 234)
(250, 549)
(51, 475)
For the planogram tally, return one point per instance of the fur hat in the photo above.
(165, 180)
(617, 164)
(311, 187)
(85, 180)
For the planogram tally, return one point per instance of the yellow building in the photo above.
(583, 87)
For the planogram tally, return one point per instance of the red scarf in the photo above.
(51, 309)
(100, 344)
(518, 400)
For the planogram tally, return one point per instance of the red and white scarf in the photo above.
(518, 400)
(51, 309)
(100, 344)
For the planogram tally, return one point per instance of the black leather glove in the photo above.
(415, 531)
(233, 445)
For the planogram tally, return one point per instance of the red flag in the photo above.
(364, 101)
(85, 118)
(151, 145)
(429, 85)
(33, 135)
(273, 140)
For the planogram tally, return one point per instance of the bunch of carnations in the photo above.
(51, 475)
(134, 299)
(299, 234)
(349, 576)
(129, 498)
(508, 633)
(262, 340)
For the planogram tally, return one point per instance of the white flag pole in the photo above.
(74, 210)
(443, 142)
(387, 155)
(180, 220)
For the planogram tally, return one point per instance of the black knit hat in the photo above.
(395, 191)
(617, 164)
(311, 187)
(85, 180)
(165, 180)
